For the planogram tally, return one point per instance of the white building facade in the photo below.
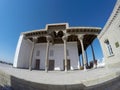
(57, 47)
(110, 38)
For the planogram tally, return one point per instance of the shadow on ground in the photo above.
(8, 82)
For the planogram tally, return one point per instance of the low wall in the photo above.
(14, 83)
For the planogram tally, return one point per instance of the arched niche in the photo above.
(60, 34)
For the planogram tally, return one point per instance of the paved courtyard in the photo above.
(88, 78)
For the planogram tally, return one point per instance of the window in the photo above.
(37, 53)
(51, 53)
(109, 47)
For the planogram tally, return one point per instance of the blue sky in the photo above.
(18, 16)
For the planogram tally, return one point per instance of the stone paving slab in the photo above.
(88, 78)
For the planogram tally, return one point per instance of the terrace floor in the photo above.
(88, 78)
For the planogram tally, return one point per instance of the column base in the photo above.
(46, 70)
(30, 68)
(85, 68)
(65, 70)
(94, 66)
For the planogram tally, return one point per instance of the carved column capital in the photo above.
(48, 38)
(80, 37)
(35, 39)
(64, 38)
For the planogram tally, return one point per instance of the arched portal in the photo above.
(60, 34)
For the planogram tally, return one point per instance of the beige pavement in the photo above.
(88, 78)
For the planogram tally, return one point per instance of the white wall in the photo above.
(17, 51)
(42, 48)
(58, 55)
(22, 54)
(112, 33)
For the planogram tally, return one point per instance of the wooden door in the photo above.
(68, 64)
(37, 65)
(51, 64)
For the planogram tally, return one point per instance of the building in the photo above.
(110, 38)
(57, 47)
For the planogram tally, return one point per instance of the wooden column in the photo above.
(65, 51)
(86, 58)
(48, 38)
(83, 52)
(94, 63)
(32, 51)
(80, 61)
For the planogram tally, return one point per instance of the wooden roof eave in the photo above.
(83, 30)
(35, 34)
